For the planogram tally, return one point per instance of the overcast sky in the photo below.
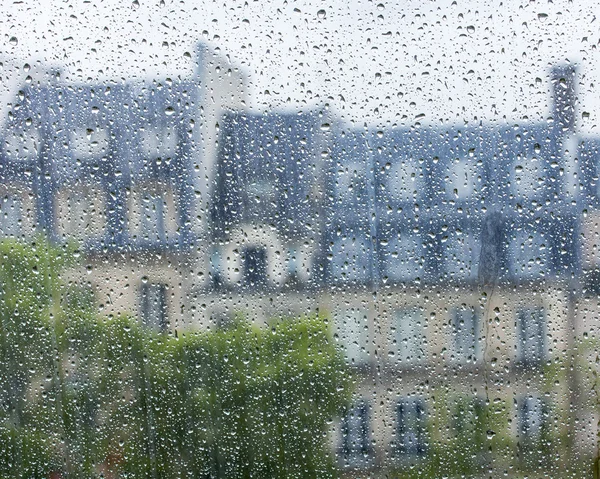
(374, 62)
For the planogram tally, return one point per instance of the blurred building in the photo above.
(453, 282)
(459, 266)
(122, 170)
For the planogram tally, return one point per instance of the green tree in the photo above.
(85, 395)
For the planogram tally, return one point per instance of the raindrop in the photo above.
(13, 41)
(169, 110)
(321, 14)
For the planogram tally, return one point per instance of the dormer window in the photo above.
(159, 142)
(462, 180)
(89, 143)
(23, 144)
(527, 177)
(351, 182)
(405, 180)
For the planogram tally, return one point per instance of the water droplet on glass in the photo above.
(321, 14)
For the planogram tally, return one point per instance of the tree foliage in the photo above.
(87, 396)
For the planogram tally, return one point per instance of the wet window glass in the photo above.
(299, 239)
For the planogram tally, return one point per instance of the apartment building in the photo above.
(457, 265)
(444, 258)
(453, 253)
(120, 168)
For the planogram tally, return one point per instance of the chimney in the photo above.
(562, 79)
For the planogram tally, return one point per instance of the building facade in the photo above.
(457, 266)
(121, 170)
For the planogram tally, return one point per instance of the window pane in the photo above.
(299, 239)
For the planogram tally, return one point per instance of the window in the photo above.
(80, 213)
(465, 335)
(531, 336)
(154, 306)
(409, 336)
(160, 142)
(255, 266)
(528, 177)
(352, 332)
(532, 414)
(153, 214)
(461, 256)
(356, 447)
(216, 267)
(351, 183)
(351, 259)
(528, 255)
(405, 180)
(23, 144)
(404, 258)
(11, 215)
(462, 182)
(89, 143)
(411, 430)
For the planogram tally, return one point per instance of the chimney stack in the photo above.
(562, 79)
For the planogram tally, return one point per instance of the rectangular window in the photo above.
(356, 447)
(531, 336)
(255, 266)
(90, 143)
(405, 181)
(293, 264)
(528, 255)
(11, 215)
(154, 306)
(80, 213)
(462, 180)
(22, 144)
(351, 183)
(411, 427)
(404, 258)
(159, 142)
(532, 413)
(461, 257)
(528, 177)
(216, 268)
(352, 331)
(465, 335)
(153, 214)
(351, 258)
(409, 336)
